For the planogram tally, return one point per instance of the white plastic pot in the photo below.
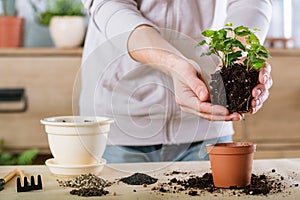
(77, 140)
(67, 31)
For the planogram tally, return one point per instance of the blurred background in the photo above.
(37, 78)
(285, 23)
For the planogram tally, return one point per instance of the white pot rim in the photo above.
(76, 121)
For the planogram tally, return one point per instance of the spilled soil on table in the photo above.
(180, 182)
(261, 184)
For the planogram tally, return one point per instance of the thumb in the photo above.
(199, 88)
(197, 85)
(203, 95)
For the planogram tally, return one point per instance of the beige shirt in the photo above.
(139, 98)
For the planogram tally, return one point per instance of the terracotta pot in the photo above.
(11, 31)
(231, 163)
(67, 31)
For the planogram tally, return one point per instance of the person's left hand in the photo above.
(261, 92)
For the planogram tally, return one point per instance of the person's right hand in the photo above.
(192, 95)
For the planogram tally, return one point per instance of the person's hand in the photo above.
(261, 92)
(192, 95)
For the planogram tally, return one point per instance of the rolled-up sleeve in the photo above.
(118, 18)
(251, 13)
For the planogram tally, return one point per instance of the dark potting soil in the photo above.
(232, 87)
(262, 184)
(139, 179)
(88, 192)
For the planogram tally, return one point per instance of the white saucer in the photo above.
(74, 170)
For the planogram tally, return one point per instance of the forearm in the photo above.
(147, 46)
(251, 13)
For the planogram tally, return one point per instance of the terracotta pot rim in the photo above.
(11, 21)
(232, 144)
(231, 148)
(18, 17)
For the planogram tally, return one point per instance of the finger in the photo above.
(264, 73)
(269, 83)
(259, 100)
(256, 108)
(204, 107)
(219, 110)
(256, 93)
(262, 97)
(258, 90)
(211, 117)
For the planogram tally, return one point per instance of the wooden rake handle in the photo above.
(10, 175)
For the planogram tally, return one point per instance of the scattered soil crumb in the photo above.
(174, 172)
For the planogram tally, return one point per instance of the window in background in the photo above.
(283, 31)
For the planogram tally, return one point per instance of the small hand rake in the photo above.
(28, 186)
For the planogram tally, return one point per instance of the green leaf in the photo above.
(237, 43)
(241, 28)
(256, 29)
(222, 34)
(263, 54)
(6, 156)
(258, 65)
(254, 39)
(7, 159)
(228, 24)
(242, 31)
(206, 54)
(202, 43)
(232, 57)
(263, 49)
(27, 157)
(208, 33)
(44, 18)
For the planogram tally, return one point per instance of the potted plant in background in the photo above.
(11, 26)
(232, 84)
(66, 21)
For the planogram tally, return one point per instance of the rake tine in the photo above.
(32, 181)
(40, 186)
(18, 184)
